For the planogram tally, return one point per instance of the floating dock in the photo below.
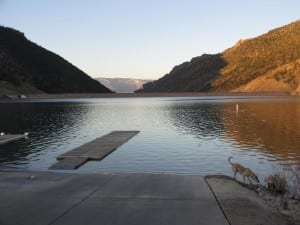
(4, 139)
(94, 150)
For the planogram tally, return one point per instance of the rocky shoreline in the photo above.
(287, 204)
(239, 199)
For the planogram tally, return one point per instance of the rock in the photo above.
(268, 196)
(22, 96)
(285, 204)
(4, 96)
(293, 202)
(285, 212)
(31, 177)
(258, 189)
(286, 195)
(291, 196)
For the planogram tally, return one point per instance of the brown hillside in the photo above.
(282, 79)
(269, 62)
(255, 57)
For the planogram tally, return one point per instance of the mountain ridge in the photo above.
(238, 65)
(122, 85)
(31, 68)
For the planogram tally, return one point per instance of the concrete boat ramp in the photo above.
(53, 198)
(57, 198)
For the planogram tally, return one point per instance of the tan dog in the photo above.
(245, 172)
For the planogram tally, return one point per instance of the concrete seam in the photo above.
(75, 205)
(72, 207)
(148, 198)
(219, 204)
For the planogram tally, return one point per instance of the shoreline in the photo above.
(269, 207)
(150, 95)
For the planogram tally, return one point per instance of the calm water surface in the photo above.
(188, 135)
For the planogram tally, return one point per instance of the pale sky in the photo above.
(142, 38)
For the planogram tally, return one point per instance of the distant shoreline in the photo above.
(143, 95)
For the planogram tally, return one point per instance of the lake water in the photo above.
(187, 135)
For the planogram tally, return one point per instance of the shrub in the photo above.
(277, 182)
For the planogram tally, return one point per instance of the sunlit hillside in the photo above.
(273, 58)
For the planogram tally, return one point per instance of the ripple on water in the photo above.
(178, 135)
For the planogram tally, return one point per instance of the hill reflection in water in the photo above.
(272, 128)
(178, 135)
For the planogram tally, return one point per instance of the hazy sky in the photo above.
(142, 38)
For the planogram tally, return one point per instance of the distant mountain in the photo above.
(266, 63)
(122, 85)
(26, 67)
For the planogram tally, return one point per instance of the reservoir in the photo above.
(178, 135)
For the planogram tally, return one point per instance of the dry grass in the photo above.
(295, 181)
(287, 179)
(277, 182)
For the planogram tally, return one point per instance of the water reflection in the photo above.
(178, 135)
(49, 126)
(272, 128)
(203, 120)
(269, 128)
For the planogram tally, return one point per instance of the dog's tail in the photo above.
(229, 158)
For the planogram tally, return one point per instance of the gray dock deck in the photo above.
(110, 199)
(94, 150)
(10, 137)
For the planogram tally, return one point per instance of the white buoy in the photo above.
(26, 135)
(31, 177)
(237, 107)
